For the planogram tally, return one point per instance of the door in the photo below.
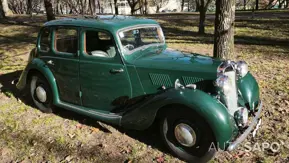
(63, 61)
(103, 77)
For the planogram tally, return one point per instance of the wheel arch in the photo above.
(214, 113)
(211, 110)
(38, 67)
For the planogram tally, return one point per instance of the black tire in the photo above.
(200, 151)
(38, 80)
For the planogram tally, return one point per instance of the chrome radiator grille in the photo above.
(231, 95)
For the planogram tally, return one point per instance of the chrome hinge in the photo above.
(80, 94)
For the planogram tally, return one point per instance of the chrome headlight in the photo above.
(223, 83)
(241, 116)
(242, 68)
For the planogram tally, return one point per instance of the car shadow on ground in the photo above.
(149, 136)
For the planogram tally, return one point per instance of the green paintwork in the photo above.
(212, 110)
(249, 89)
(109, 23)
(98, 83)
(132, 98)
(164, 68)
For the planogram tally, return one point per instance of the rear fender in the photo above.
(209, 108)
(37, 65)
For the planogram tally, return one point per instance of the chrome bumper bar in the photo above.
(242, 137)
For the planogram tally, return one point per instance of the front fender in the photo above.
(216, 115)
(37, 65)
(249, 89)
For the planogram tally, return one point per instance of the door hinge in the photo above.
(80, 94)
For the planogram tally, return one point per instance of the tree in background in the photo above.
(29, 6)
(115, 7)
(159, 4)
(2, 14)
(5, 9)
(224, 29)
(145, 7)
(133, 4)
(91, 3)
(182, 5)
(202, 6)
(257, 5)
(49, 10)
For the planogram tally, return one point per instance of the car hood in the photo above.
(178, 63)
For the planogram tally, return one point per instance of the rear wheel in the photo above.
(40, 93)
(187, 135)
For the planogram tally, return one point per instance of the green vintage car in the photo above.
(118, 69)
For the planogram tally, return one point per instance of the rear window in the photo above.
(45, 40)
(66, 40)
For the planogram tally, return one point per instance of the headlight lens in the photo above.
(242, 68)
(223, 82)
(241, 116)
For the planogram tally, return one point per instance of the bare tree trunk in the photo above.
(49, 10)
(2, 14)
(90, 7)
(5, 8)
(99, 8)
(57, 7)
(115, 7)
(158, 9)
(245, 3)
(257, 4)
(81, 7)
(182, 5)
(146, 7)
(202, 21)
(197, 6)
(281, 3)
(224, 29)
(202, 6)
(29, 6)
(132, 4)
(61, 9)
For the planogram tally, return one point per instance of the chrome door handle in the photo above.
(117, 70)
(50, 62)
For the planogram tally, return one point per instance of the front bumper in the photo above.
(242, 137)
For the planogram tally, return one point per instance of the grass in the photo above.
(29, 135)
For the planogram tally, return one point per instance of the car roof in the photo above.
(108, 22)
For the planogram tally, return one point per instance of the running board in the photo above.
(99, 115)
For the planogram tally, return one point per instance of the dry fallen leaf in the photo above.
(160, 159)
(68, 158)
(94, 129)
(79, 126)
(128, 161)
(71, 135)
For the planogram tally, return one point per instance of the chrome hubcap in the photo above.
(41, 94)
(185, 135)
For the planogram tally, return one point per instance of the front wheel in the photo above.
(40, 93)
(187, 135)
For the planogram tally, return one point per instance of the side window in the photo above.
(45, 40)
(66, 40)
(99, 44)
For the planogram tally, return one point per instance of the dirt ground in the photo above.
(28, 135)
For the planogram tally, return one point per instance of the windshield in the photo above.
(140, 37)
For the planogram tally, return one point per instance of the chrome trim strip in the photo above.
(242, 137)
